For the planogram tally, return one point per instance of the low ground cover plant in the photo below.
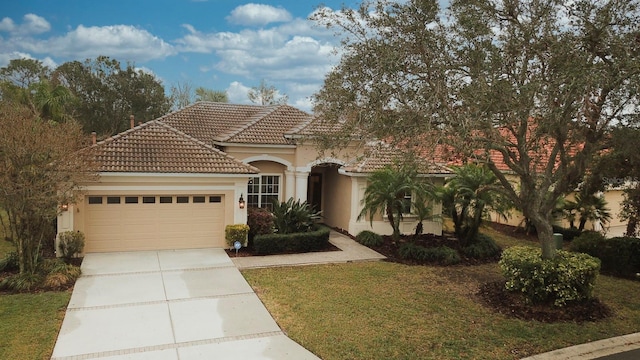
(369, 238)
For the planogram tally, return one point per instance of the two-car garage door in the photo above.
(153, 222)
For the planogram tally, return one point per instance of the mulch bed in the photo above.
(493, 293)
(390, 248)
(511, 304)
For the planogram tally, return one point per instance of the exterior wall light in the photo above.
(64, 207)
(241, 202)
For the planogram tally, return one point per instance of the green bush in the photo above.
(10, 262)
(568, 234)
(71, 244)
(293, 216)
(442, 254)
(567, 277)
(620, 256)
(589, 243)
(369, 238)
(58, 274)
(260, 222)
(297, 242)
(484, 247)
(236, 232)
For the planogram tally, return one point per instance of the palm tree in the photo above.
(468, 197)
(386, 194)
(587, 207)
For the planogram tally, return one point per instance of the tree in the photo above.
(386, 194)
(24, 72)
(619, 167)
(107, 94)
(40, 168)
(203, 94)
(181, 95)
(587, 207)
(468, 197)
(265, 94)
(526, 86)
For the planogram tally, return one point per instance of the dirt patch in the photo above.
(513, 231)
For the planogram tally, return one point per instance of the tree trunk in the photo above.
(545, 235)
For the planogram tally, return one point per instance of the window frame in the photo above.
(261, 196)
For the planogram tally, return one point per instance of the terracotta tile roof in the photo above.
(315, 125)
(154, 147)
(381, 154)
(232, 123)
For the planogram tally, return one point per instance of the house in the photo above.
(177, 181)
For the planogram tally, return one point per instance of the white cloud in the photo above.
(5, 58)
(258, 15)
(32, 24)
(6, 24)
(120, 41)
(237, 93)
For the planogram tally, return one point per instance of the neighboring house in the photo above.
(177, 181)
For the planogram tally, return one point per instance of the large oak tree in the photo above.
(528, 87)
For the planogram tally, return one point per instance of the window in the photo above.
(215, 199)
(131, 200)
(166, 199)
(406, 203)
(148, 199)
(182, 199)
(263, 190)
(95, 200)
(198, 199)
(113, 199)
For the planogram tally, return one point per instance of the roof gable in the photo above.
(232, 123)
(154, 147)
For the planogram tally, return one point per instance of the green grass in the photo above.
(390, 311)
(30, 324)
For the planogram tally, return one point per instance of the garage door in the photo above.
(153, 222)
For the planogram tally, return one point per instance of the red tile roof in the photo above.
(155, 147)
(221, 123)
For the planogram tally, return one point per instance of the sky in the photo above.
(217, 44)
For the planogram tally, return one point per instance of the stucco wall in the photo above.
(336, 193)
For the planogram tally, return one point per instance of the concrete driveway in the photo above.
(168, 305)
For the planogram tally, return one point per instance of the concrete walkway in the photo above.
(351, 252)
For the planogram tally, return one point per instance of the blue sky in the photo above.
(219, 44)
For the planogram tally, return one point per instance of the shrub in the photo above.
(442, 254)
(260, 222)
(236, 232)
(568, 234)
(484, 247)
(567, 277)
(297, 242)
(293, 216)
(369, 238)
(587, 243)
(10, 262)
(59, 275)
(21, 282)
(71, 244)
(620, 256)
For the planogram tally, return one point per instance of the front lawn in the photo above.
(29, 323)
(392, 311)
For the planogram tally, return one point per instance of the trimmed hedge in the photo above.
(296, 242)
(442, 254)
(71, 244)
(236, 232)
(484, 247)
(620, 256)
(369, 238)
(567, 277)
